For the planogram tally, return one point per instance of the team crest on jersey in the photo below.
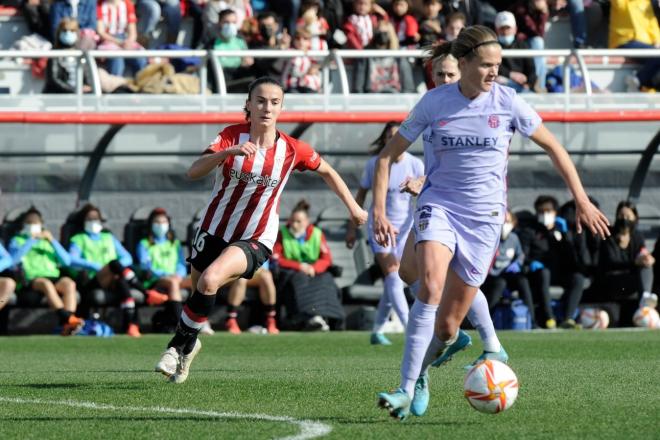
(493, 121)
(442, 123)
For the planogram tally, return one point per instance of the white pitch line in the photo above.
(309, 429)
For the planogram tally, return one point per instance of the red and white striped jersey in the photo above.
(245, 200)
(116, 17)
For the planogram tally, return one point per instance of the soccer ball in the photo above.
(592, 317)
(491, 387)
(646, 317)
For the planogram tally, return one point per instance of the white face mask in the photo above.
(506, 229)
(160, 230)
(296, 234)
(229, 30)
(547, 218)
(93, 226)
(32, 229)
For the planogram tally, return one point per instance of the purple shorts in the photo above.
(473, 243)
(397, 249)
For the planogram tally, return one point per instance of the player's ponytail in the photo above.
(379, 143)
(256, 83)
(437, 50)
(301, 206)
(470, 39)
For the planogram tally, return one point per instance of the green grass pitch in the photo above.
(580, 384)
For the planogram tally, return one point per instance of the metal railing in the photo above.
(328, 60)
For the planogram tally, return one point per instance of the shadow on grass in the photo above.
(120, 418)
(90, 386)
(386, 419)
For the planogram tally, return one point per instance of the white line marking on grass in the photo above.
(309, 429)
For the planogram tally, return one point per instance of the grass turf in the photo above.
(584, 384)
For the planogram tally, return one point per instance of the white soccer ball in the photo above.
(491, 387)
(646, 317)
(592, 317)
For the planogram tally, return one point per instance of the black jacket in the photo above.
(522, 65)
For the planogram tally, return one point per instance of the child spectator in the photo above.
(81, 11)
(62, 73)
(431, 22)
(360, 26)
(117, 29)
(40, 259)
(161, 261)
(263, 281)
(235, 69)
(517, 73)
(301, 253)
(311, 20)
(405, 25)
(104, 263)
(531, 17)
(455, 24)
(301, 74)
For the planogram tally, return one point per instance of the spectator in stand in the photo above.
(554, 81)
(507, 269)
(334, 13)
(302, 256)
(161, 262)
(578, 19)
(517, 73)
(40, 259)
(289, 11)
(431, 22)
(36, 13)
(302, 74)
(312, 20)
(116, 26)
(455, 24)
(550, 260)
(61, 73)
(103, 262)
(531, 17)
(361, 25)
(211, 12)
(405, 25)
(625, 265)
(263, 281)
(81, 11)
(633, 25)
(269, 37)
(149, 13)
(237, 70)
(475, 11)
(7, 283)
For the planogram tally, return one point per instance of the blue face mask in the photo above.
(160, 230)
(229, 30)
(68, 38)
(506, 40)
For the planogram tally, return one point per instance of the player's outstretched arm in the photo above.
(586, 213)
(384, 232)
(208, 162)
(336, 183)
(351, 228)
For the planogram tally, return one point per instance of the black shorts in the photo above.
(206, 248)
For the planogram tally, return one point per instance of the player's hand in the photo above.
(247, 149)
(350, 237)
(412, 186)
(384, 232)
(588, 215)
(359, 216)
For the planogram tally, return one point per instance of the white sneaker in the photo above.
(168, 363)
(648, 299)
(317, 322)
(184, 365)
(206, 329)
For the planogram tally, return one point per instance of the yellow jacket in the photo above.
(633, 20)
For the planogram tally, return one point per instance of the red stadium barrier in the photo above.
(299, 117)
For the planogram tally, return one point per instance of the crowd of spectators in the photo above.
(541, 259)
(321, 24)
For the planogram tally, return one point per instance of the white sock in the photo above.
(394, 288)
(479, 316)
(414, 288)
(382, 312)
(419, 333)
(435, 348)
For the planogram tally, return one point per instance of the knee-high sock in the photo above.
(394, 287)
(479, 317)
(414, 288)
(382, 312)
(419, 333)
(193, 317)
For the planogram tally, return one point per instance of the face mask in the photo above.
(93, 226)
(506, 40)
(296, 234)
(266, 32)
(381, 38)
(229, 30)
(547, 218)
(32, 229)
(68, 38)
(506, 229)
(160, 229)
(450, 37)
(624, 223)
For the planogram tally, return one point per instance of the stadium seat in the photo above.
(136, 229)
